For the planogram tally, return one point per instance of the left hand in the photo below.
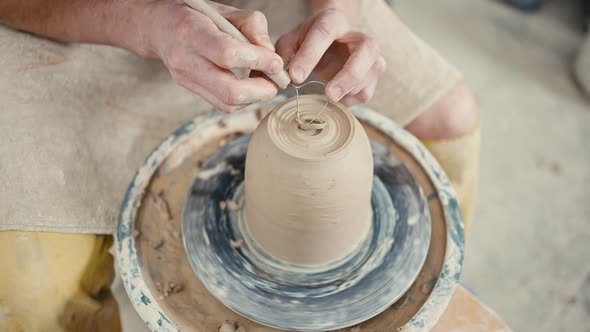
(350, 60)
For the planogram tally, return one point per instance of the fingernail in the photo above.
(298, 74)
(275, 66)
(335, 93)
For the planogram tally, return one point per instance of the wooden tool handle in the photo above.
(281, 79)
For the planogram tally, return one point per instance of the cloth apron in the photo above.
(77, 120)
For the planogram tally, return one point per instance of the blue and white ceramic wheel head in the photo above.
(145, 301)
(335, 261)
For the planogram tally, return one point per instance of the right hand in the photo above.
(199, 56)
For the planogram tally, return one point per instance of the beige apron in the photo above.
(76, 121)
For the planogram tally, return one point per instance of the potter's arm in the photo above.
(167, 30)
(100, 22)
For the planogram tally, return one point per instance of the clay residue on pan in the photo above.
(236, 243)
(168, 288)
(232, 170)
(194, 308)
(162, 205)
(229, 204)
(156, 244)
(226, 139)
(228, 326)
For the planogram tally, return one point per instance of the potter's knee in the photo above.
(8, 322)
(454, 114)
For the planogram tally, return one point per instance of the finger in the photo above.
(230, 89)
(224, 85)
(373, 75)
(287, 46)
(326, 27)
(196, 88)
(229, 53)
(362, 97)
(253, 25)
(363, 57)
(198, 35)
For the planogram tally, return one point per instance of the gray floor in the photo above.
(529, 252)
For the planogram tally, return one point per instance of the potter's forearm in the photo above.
(350, 7)
(101, 22)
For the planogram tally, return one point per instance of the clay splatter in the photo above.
(169, 288)
(162, 205)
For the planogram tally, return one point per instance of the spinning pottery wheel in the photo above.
(401, 274)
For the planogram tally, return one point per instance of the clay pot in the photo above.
(308, 192)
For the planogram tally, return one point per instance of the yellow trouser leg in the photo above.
(56, 282)
(459, 157)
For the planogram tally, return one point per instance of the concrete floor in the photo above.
(528, 256)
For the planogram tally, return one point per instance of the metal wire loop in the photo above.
(313, 123)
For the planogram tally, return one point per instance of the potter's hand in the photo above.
(195, 51)
(350, 60)
(199, 55)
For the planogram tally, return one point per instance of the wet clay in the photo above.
(308, 191)
(193, 308)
